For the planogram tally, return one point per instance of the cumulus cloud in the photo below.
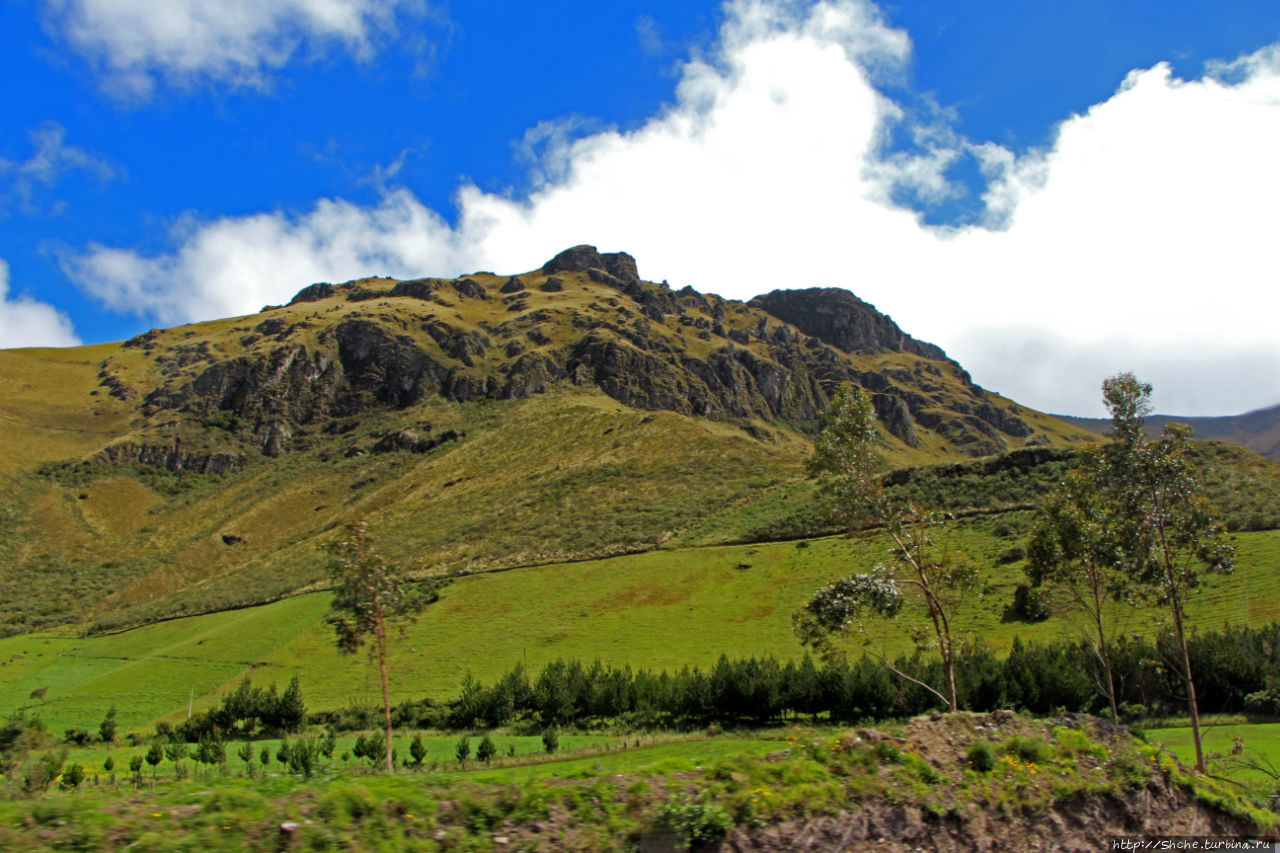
(25, 322)
(137, 43)
(51, 158)
(1136, 240)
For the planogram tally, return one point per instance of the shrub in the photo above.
(304, 755)
(981, 756)
(72, 776)
(463, 750)
(1032, 603)
(887, 753)
(43, 771)
(107, 728)
(694, 821)
(1010, 555)
(1263, 702)
(550, 740)
(78, 737)
(486, 750)
(417, 750)
(1029, 750)
(211, 750)
(371, 747)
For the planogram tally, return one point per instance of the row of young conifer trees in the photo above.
(1238, 667)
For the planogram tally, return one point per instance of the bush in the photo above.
(107, 728)
(417, 750)
(304, 755)
(78, 737)
(1010, 555)
(1032, 603)
(72, 776)
(981, 756)
(486, 750)
(1029, 750)
(1263, 702)
(371, 747)
(550, 740)
(43, 771)
(694, 821)
(211, 750)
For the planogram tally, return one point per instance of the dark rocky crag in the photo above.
(777, 358)
(844, 321)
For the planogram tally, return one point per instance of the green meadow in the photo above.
(659, 610)
(1231, 746)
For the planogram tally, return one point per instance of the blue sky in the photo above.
(1052, 192)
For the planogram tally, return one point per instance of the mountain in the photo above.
(482, 422)
(1258, 430)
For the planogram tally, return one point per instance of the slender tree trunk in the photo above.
(938, 614)
(949, 661)
(386, 699)
(1192, 707)
(1104, 650)
(947, 652)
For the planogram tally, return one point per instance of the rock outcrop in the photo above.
(777, 358)
(620, 265)
(842, 320)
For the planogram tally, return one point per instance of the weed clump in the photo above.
(981, 756)
(695, 821)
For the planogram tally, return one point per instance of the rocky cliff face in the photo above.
(585, 318)
(842, 320)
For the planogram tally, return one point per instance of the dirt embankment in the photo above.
(1017, 805)
(1079, 824)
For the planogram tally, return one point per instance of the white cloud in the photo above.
(136, 43)
(24, 322)
(236, 265)
(1138, 240)
(51, 158)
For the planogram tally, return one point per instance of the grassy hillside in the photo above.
(663, 609)
(571, 412)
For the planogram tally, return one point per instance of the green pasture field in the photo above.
(676, 756)
(604, 797)
(579, 756)
(441, 755)
(658, 610)
(1261, 745)
(225, 810)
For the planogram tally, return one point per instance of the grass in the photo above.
(614, 797)
(1261, 742)
(566, 475)
(530, 759)
(658, 610)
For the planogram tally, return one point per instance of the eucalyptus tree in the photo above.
(1074, 550)
(845, 461)
(1169, 535)
(370, 595)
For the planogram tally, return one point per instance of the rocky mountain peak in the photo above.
(373, 347)
(838, 318)
(620, 265)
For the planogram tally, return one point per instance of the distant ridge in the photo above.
(1257, 430)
